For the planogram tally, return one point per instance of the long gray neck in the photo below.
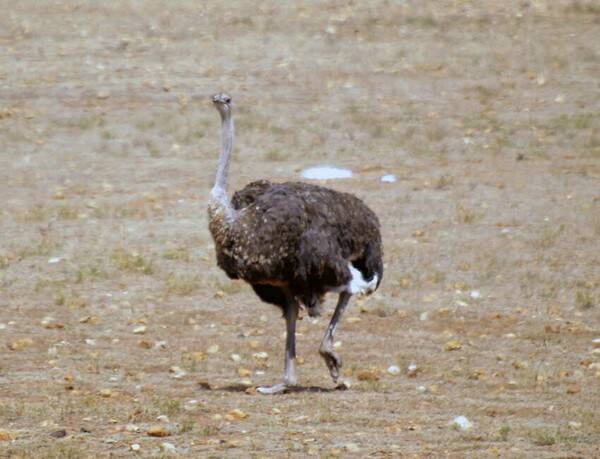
(219, 190)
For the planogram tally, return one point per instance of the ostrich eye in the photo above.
(227, 100)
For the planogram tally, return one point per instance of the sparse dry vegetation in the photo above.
(115, 320)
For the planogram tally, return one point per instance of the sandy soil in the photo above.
(113, 312)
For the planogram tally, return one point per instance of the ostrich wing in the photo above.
(301, 235)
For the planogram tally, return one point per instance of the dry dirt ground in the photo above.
(113, 312)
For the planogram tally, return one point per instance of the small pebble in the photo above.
(244, 372)
(388, 178)
(168, 448)
(59, 433)
(158, 431)
(412, 369)
(177, 372)
(20, 344)
(461, 422)
(139, 330)
(213, 349)
(393, 370)
(452, 345)
(190, 405)
(236, 415)
(160, 345)
(135, 447)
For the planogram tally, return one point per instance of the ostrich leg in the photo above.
(334, 361)
(289, 374)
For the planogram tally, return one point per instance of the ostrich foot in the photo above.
(271, 390)
(333, 361)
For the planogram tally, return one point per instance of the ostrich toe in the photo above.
(333, 361)
(271, 390)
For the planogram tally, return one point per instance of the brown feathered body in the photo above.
(296, 238)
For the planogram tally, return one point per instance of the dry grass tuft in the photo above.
(131, 261)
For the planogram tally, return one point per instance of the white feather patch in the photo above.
(358, 284)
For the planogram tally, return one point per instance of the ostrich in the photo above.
(293, 242)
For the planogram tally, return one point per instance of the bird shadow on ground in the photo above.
(289, 390)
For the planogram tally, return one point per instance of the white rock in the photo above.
(461, 422)
(132, 428)
(260, 355)
(168, 448)
(52, 351)
(421, 389)
(160, 345)
(135, 447)
(53, 260)
(424, 316)
(235, 357)
(213, 349)
(177, 372)
(326, 173)
(388, 178)
(139, 330)
(162, 418)
(596, 343)
(90, 342)
(475, 294)
(541, 80)
(412, 369)
(393, 370)
(2, 326)
(190, 405)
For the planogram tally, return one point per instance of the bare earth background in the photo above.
(113, 312)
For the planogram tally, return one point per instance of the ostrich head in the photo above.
(222, 103)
